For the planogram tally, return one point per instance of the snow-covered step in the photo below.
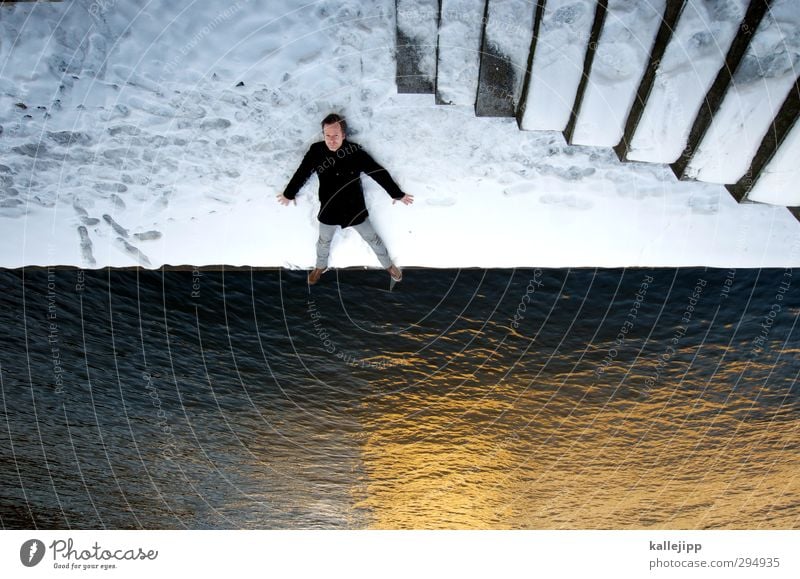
(507, 36)
(594, 40)
(417, 31)
(761, 83)
(774, 173)
(619, 63)
(713, 99)
(557, 65)
(693, 59)
(460, 30)
(663, 40)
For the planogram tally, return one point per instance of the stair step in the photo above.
(668, 23)
(507, 35)
(692, 60)
(710, 105)
(761, 83)
(559, 52)
(594, 38)
(653, 79)
(460, 30)
(417, 31)
(619, 64)
(774, 173)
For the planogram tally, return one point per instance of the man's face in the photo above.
(333, 136)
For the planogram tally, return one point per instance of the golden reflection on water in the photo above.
(543, 456)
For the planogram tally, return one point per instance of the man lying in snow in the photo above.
(339, 164)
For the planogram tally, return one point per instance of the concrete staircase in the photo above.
(711, 89)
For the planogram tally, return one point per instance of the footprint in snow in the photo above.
(212, 124)
(310, 57)
(67, 138)
(79, 210)
(86, 246)
(115, 226)
(161, 203)
(574, 173)
(151, 108)
(519, 189)
(12, 208)
(133, 251)
(129, 130)
(117, 201)
(120, 154)
(148, 235)
(219, 198)
(34, 150)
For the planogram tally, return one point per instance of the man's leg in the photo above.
(324, 244)
(366, 231)
(323, 250)
(369, 235)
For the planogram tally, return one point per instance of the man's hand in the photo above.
(284, 200)
(405, 199)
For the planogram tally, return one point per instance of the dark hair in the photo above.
(332, 119)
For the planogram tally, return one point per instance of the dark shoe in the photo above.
(314, 275)
(395, 272)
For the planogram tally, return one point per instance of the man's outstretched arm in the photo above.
(372, 168)
(405, 199)
(298, 179)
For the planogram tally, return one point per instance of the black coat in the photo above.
(341, 196)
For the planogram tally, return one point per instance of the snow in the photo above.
(509, 29)
(768, 71)
(460, 34)
(693, 58)
(558, 64)
(136, 146)
(418, 20)
(778, 181)
(622, 55)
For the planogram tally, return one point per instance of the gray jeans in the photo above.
(364, 229)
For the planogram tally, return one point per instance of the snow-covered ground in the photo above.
(148, 133)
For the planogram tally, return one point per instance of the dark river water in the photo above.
(492, 399)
